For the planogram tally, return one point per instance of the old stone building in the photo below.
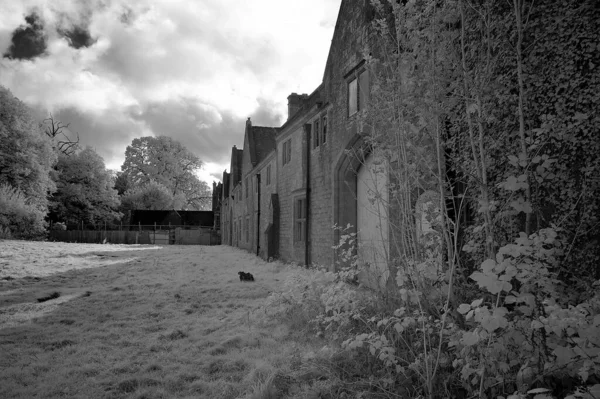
(315, 171)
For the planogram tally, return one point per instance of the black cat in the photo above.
(246, 276)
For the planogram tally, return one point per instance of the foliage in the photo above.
(167, 162)
(150, 196)
(484, 112)
(85, 191)
(26, 155)
(18, 217)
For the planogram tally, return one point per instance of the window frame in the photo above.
(299, 223)
(324, 121)
(353, 96)
(286, 155)
(268, 173)
(247, 230)
(316, 132)
(359, 77)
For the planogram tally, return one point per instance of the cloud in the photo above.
(28, 41)
(77, 37)
(120, 69)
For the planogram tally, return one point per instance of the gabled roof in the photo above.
(262, 142)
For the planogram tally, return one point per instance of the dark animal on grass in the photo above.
(246, 276)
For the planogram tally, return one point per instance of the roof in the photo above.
(262, 142)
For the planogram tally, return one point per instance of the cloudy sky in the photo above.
(190, 69)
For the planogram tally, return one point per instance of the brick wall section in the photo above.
(291, 181)
(267, 217)
(333, 197)
(247, 204)
(321, 216)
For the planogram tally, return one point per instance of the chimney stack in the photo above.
(295, 103)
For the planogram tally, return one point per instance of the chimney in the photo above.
(295, 103)
(248, 123)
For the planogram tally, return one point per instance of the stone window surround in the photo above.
(299, 221)
(354, 76)
(321, 122)
(286, 151)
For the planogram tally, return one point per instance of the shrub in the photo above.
(18, 217)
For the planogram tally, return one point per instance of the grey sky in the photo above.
(194, 70)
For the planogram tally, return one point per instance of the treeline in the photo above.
(46, 177)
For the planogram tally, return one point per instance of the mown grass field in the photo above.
(174, 322)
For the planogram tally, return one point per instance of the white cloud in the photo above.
(195, 70)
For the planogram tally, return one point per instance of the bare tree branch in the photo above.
(62, 142)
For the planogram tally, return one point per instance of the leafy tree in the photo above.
(167, 162)
(85, 190)
(121, 182)
(151, 196)
(26, 155)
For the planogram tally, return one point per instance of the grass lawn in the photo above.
(165, 322)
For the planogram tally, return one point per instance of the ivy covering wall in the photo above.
(494, 106)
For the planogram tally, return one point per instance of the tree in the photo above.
(151, 196)
(85, 190)
(167, 162)
(121, 182)
(26, 155)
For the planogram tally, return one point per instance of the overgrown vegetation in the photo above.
(483, 118)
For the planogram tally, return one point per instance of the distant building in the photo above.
(147, 219)
(291, 184)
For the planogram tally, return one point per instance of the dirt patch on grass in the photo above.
(23, 313)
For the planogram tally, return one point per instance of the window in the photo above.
(324, 129)
(316, 133)
(300, 219)
(286, 154)
(363, 90)
(246, 187)
(239, 231)
(234, 230)
(358, 92)
(353, 97)
(268, 174)
(247, 229)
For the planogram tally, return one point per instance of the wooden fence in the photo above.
(157, 237)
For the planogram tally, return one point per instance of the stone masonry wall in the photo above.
(290, 184)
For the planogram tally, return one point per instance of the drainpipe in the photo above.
(307, 131)
(258, 216)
